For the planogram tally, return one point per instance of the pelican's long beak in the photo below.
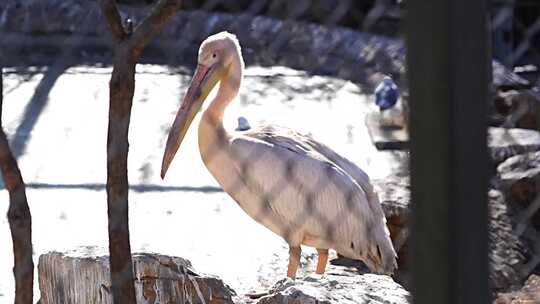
(203, 81)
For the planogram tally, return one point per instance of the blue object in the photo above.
(243, 124)
(386, 94)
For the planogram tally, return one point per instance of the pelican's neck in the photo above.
(228, 89)
(211, 129)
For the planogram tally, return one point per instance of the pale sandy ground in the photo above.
(65, 168)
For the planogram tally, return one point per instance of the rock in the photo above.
(504, 143)
(340, 288)
(82, 276)
(505, 80)
(519, 166)
(519, 176)
(386, 137)
(394, 195)
(508, 252)
(518, 109)
(529, 293)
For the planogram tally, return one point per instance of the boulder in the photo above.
(82, 276)
(519, 176)
(520, 166)
(509, 252)
(529, 293)
(504, 143)
(394, 195)
(388, 135)
(517, 109)
(340, 287)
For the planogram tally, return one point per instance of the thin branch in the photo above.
(152, 24)
(112, 15)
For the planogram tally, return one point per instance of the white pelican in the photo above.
(288, 182)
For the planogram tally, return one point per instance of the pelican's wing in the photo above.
(302, 143)
(308, 192)
(294, 182)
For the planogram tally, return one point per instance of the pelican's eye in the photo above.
(214, 55)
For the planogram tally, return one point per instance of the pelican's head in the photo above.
(216, 55)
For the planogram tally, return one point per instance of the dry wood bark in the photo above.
(128, 46)
(19, 217)
(82, 276)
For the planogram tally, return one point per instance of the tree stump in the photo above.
(83, 276)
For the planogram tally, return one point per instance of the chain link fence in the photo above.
(289, 182)
(516, 36)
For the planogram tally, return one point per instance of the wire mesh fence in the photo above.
(289, 182)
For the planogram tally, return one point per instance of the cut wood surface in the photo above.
(82, 276)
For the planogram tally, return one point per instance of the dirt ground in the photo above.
(57, 122)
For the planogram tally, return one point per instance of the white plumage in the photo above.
(290, 183)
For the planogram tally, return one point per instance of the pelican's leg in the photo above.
(294, 260)
(323, 259)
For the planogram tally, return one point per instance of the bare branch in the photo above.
(152, 24)
(111, 13)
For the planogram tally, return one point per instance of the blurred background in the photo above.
(311, 65)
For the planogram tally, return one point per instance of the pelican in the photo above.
(295, 186)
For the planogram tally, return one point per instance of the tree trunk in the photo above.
(122, 87)
(19, 217)
(128, 46)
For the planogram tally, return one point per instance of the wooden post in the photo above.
(449, 65)
(128, 45)
(19, 217)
